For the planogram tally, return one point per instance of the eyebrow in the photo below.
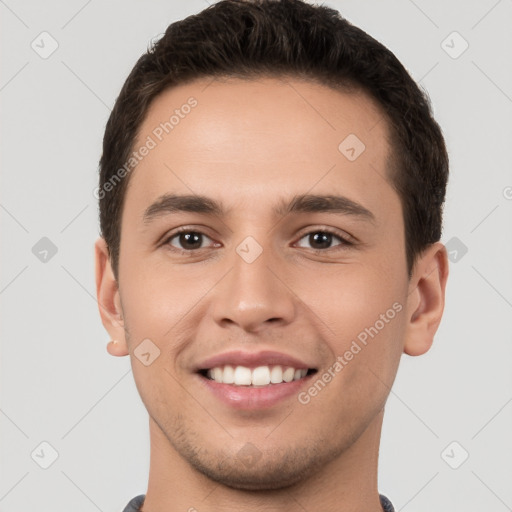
(305, 203)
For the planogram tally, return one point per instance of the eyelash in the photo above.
(344, 241)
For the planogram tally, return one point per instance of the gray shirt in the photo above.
(136, 503)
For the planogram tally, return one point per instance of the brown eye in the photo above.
(187, 240)
(322, 239)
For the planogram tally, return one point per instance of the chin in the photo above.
(274, 470)
(265, 478)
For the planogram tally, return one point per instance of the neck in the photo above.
(346, 484)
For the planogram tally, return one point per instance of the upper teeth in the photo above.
(260, 376)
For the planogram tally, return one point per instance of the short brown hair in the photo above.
(247, 38)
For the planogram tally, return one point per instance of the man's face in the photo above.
(251, 286)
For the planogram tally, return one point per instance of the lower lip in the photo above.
(250, 397)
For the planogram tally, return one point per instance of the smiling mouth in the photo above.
(255, 377)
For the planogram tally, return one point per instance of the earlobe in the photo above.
(109, 301)
(114, 348)
(425, 303)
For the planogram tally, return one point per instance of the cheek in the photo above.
(366, 347)
(352, 298)
(155, 300)
(364, 321)
(159, 309)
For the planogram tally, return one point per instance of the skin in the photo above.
(251, 144)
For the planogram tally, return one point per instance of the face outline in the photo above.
(309, 306)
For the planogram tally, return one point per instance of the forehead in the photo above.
(262, 137)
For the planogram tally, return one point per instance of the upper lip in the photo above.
(252, 360)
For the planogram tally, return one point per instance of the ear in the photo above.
(109, 303)
(425, 301)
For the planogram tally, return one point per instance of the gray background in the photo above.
(58, 383)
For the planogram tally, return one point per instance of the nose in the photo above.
(254, 294)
